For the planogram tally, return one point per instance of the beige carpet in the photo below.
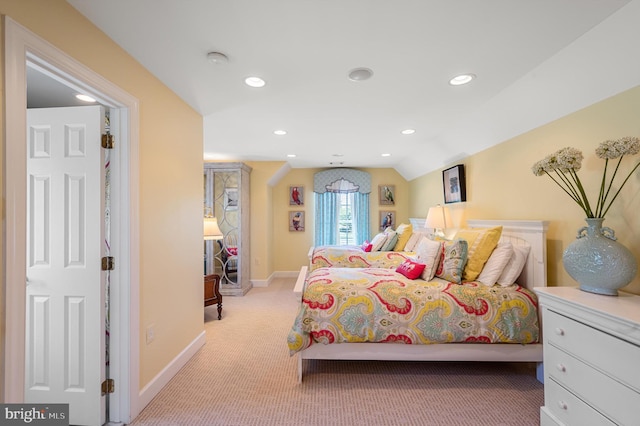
(244, 376)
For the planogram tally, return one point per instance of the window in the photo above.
(346, 226)
(342, 218)
(341, 207)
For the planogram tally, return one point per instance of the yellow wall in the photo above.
(262, 217)
(501, 185)
(170, 180)
(290, 248)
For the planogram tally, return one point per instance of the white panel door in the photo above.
(65, 286)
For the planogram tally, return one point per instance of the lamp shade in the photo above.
(211, 229)
(438, 217)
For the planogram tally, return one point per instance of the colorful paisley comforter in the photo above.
(342, 305)
(355, 257)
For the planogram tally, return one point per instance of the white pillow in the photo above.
(428, 252)
(513, 269)
(496, 263)
(378, 241)
(414, 239)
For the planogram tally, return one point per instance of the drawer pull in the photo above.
(562, 405)
(559, 331)
(561, 368)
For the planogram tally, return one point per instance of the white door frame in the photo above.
(22, 46)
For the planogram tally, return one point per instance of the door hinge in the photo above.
(108, 386)
(108, 141)
(108, 263)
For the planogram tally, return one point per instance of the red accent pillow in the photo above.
(367, 246)
(233, 251)
(411, 269)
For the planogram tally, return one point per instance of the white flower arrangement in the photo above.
(563, 165)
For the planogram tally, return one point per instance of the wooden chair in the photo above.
(212, 292)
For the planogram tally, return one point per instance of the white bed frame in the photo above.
(518, 232)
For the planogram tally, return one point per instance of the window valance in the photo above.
(342, 180)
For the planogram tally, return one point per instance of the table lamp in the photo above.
(438, 218)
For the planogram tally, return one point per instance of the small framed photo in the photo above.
(296, 221)
(296, 195)
(454, 186)
(387, 219)
(231, 199)
(387, 195)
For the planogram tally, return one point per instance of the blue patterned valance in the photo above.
(342, 180)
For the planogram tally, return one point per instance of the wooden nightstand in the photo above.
(212, 292)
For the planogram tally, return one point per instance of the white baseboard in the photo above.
(167, 373)
(273, 276)
(286, 274)
(262, 283)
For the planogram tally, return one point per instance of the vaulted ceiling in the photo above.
(528, 58)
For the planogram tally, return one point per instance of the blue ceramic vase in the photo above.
(597, 261)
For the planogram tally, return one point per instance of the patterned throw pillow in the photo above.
(480, 243)
(410, 269)
(453, 258)
(428, 252)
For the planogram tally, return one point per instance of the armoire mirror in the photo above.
(226, 197)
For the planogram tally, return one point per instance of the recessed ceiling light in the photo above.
(360, 74)
(337, 155)
(291, 155)
(386, 155)
(254, 81)
(280, 132)
(461, 79)
(408, 131)
(85, 98)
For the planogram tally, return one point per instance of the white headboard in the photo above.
(519, 232)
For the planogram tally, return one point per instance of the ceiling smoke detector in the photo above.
(217, 58)
(360, 74)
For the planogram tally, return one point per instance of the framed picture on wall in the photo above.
(454, 185)
(386, 195)
(387, 218)
(296, 221)
(296, 195)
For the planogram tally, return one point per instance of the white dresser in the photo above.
(591, 358)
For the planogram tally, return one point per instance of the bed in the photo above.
(525, 234)
(353, 256)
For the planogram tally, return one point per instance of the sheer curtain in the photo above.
(361, 217)
(326, 218)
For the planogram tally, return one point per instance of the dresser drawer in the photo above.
(612, 355)
(605, 394)
(548, 419)
(568, 408)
